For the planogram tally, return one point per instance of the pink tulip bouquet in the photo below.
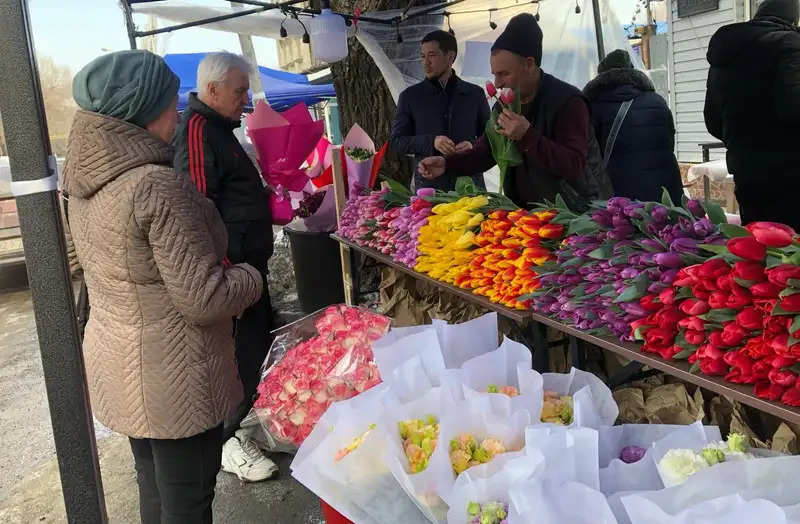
(504, 150)
(321, 359)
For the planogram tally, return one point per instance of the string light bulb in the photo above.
(399, 36)
(536, 16)
(284, 33)
(577, 8)
(449, 27)
(491, 24)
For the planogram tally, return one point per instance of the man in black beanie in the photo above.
(753, 106)
(553, 133)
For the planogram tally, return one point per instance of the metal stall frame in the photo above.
(34, 182)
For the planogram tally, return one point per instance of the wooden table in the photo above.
(534, 326)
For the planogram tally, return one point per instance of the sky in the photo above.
(74, 32)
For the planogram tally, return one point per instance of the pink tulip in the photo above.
(507, 96)
(491, 90)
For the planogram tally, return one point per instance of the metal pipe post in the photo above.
(127, 11)
(598, 30)
(48, 272)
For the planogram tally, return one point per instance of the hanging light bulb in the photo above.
(491, 24)
(577, 8)
(328, 35)
(306, 37)
(399, 36)
(449, 27)
(537, 17)
(284, 33)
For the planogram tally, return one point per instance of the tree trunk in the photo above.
(362, 94)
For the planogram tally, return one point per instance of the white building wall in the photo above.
(688, 40)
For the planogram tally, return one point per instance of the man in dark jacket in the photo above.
(441, 115)
(553, 134)
(640, 160)
(209, 152)
(753, 107)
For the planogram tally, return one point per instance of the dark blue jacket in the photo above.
(423, 113)
(643, 159)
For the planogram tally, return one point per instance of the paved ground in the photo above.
(29, 484)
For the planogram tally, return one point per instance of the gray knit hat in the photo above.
(617, 59)
(135, 86)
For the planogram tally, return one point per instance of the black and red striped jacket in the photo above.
(207, 151)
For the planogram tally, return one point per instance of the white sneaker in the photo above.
(242, 457)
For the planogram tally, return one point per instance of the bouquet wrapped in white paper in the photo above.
(409, 454)
(475, 432)
(626, 455)
(340, 434)
(543, 501)
(491, 483)
(570, 453)
(770, 479)
(732, 509)
(592, 405)
(505, 371)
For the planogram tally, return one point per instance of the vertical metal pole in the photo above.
(598, 30)
(127, 11)
(249, 52)
(48, 272)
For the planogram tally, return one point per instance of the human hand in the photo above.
(444, 145)
(432, 167)
(463, 147)
(512, 125)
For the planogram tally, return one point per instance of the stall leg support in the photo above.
(577, 349)
(355, 276)
(540, 346)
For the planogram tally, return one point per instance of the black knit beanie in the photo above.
(787, 10)
(617, 59)
(522, 36)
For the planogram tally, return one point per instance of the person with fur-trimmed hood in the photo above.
(641, 159)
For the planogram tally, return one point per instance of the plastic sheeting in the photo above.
(281, 89)
(570, 51)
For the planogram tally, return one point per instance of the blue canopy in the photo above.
(282, 89)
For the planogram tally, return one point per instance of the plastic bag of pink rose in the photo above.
(313, 362)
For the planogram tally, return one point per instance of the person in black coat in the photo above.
(753, 107)
(642, 159)
(442, 115)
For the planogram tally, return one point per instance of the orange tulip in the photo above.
(511, 254)
(502, 226)
(509, 273)
(530, 221)
(512, 243)
(533, 253)
(500, 214)
(533, 242)
(546, 216)
(552, 231)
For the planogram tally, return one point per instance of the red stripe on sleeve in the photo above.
(196, 153)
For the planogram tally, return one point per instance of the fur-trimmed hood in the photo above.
(612, 79)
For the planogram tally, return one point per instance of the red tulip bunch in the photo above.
(737, 314)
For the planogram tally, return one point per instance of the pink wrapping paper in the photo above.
(324, 219)
(358, 172)
(282, 143)
(319, 159)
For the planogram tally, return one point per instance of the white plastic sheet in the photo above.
(732, 509)
(616, 475)
(546, 502)
(570, 453)
(570, 48)
(716, 171)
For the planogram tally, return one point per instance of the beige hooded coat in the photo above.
(159, 345)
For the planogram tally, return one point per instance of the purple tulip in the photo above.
(426, 192)
(716, 240)
(595, 323)
(703, 227)
(634, 260)
(669, 276)
(656, 287)
(570, 306)
(602, 218)
(685, 245)
(670, 259)
(619, 220)
(633, 308)
(555, 308)
(653, 245)
(631, 210)
(659, 213)
(591, 288)
(619, 246)
(608, 317)
(648, 259)
(621, 232)
(621, 327)
(616, 204)
(696, 208)
(629, 272)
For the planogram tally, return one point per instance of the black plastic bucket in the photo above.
(317, 266)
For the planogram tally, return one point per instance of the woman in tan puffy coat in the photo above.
(159, 342)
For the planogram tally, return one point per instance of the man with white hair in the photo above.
(209, 152)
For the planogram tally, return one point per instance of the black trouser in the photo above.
(253, 340)
(177, 477)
